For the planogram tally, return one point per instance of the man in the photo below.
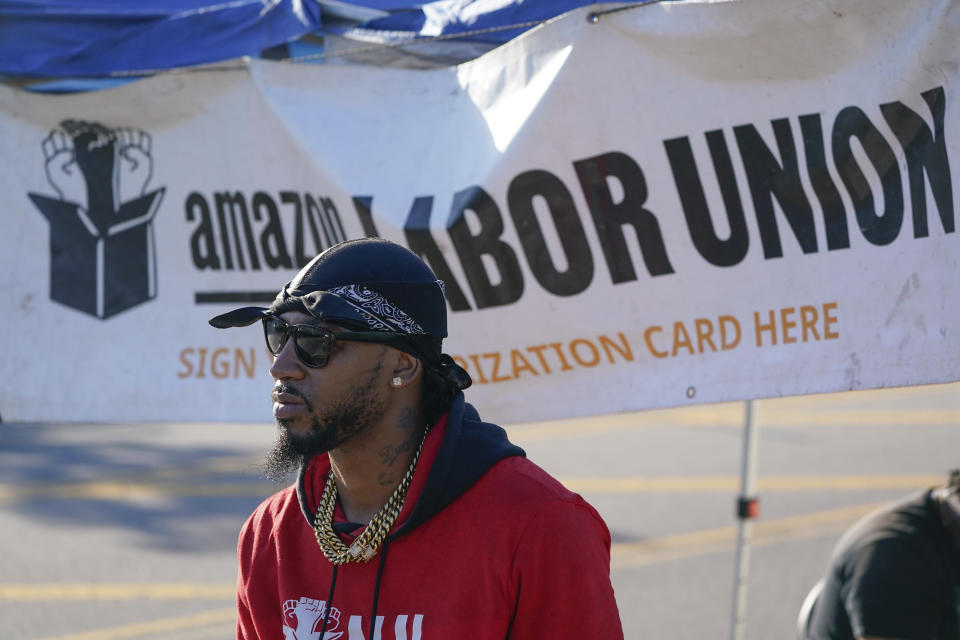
(410, 519)
(896, 573)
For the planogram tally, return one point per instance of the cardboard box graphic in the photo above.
(102, 269)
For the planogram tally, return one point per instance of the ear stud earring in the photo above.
(396, 381)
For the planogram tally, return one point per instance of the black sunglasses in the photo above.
(312, 342)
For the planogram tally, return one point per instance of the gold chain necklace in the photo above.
(367, 543)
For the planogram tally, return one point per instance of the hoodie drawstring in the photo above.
(329, 606)
(376, 587)
(376, 593)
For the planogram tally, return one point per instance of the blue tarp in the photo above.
(449, 17)
(69, 38)
(102, 38)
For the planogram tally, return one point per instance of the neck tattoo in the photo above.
(367, 543)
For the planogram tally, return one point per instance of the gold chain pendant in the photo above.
(368, 542)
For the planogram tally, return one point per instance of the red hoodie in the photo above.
(488, 546)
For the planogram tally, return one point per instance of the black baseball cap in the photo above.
(368, 284)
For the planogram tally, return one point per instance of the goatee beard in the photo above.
(344, 420)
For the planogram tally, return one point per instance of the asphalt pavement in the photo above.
(128, 530)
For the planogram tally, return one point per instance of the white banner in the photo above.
(676, 203)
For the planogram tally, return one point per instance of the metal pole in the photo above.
(747, 509)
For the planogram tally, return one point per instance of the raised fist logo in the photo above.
(101, 234)
(85, 160)
(303, 618)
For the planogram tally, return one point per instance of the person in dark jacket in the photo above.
(411, 519)
(895, 575)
